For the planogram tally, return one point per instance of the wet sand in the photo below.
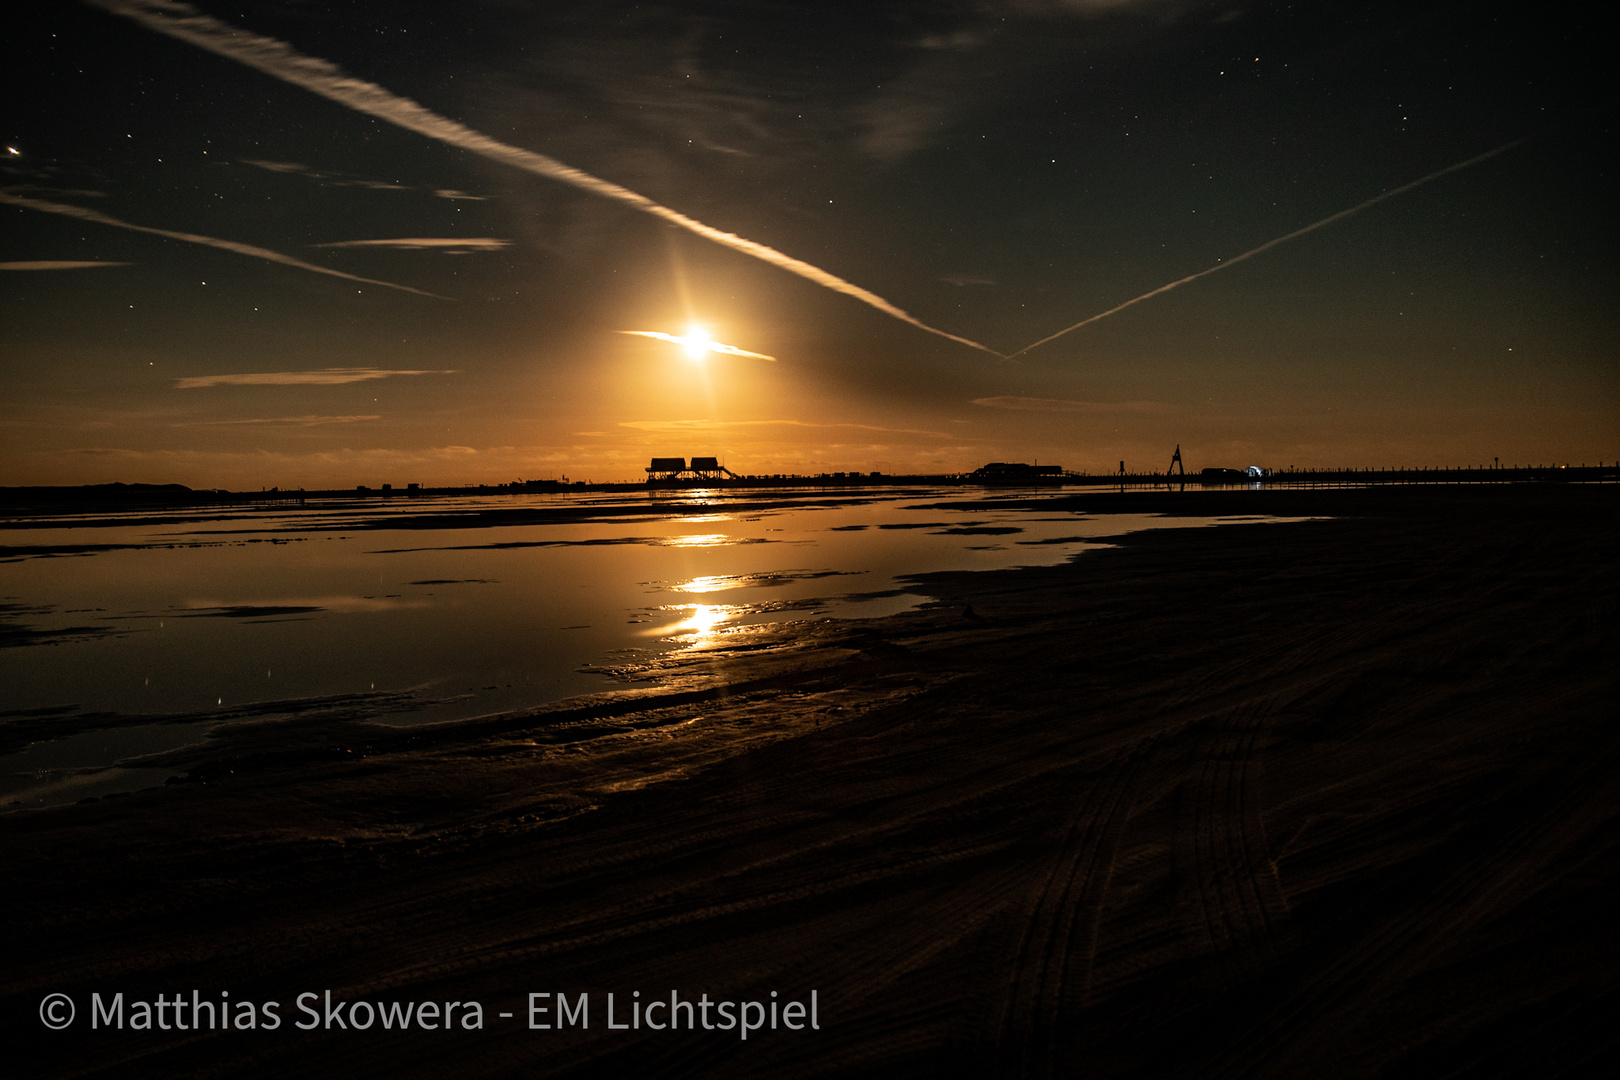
(1325, 798)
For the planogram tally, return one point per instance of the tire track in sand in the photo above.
(1234, 896)
(1051, 969)
(1323, 1008)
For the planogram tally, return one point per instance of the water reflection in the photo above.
(700, 626)
(390, 614)
(712, 583)
(697, 540)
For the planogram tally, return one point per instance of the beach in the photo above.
(1326, 797)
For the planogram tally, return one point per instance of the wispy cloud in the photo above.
(959, 39)
(327, 178)
(57, 264)
(697, 345)
(324, 377)
(1061, 405)
(293, 421)
(710, 425)
(905, 118)
(59, 192)
(960, 280)
(280, 166)
(448, 245)
(255, 462)
(1070, 7)
(281, 61)
(83, 214)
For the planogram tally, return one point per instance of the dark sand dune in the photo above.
(1337, 798)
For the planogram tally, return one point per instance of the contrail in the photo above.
(281, 61)
(57, 264)
(326, 377)
(192, 238)
(423, 243)
(1273, 243)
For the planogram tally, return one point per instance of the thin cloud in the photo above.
(279, 60)
(294, 168)
(324, 377)
(1269, 244)
(702, 345)
(962, 280)
(206, 241)
(426, 243)
(1070, 7)
(295, 421)
(279, 166)
(57, 264)
(328, 179)
(61, 192)
(1062, 405)
(961, 40)
(709, 425)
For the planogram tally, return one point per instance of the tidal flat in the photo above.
(134, 642)
(1336, 794)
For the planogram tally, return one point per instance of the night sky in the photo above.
(411, 309)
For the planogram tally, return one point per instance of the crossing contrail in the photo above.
(281, 61)
(1269, 244)
(83, 214)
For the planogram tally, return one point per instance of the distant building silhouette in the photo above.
(665, 468)
(675, 472)
(1015, 472)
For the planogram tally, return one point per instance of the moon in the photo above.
(696, 342)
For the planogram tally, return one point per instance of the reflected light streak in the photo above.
(698, 540)
(702, 623)
(713, 583)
